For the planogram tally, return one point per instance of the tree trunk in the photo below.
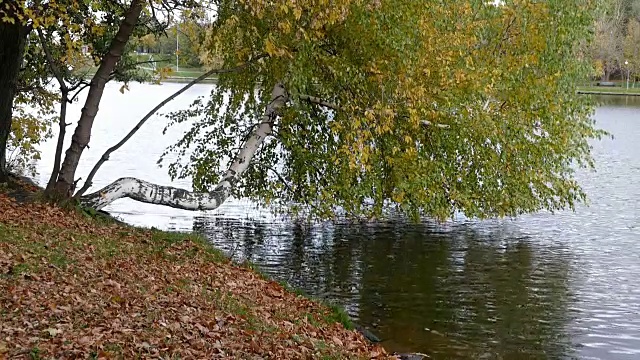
(62, 120)
(62, 123)
(89, 181)
(13, 38)
(183, 199)
(65, 184)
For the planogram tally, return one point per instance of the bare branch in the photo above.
(79, 84)
(84, 86)
(62, 123)
(105, 156)
(52, 63)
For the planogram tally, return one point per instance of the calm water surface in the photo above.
(541, 287)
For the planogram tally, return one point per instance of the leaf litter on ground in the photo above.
(71, 287)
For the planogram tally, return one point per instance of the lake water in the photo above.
(540, 287)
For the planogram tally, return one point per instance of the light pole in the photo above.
(626, 64)
(178, 48)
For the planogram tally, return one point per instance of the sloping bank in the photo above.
(77, 287)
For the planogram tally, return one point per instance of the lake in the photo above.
(544, 286)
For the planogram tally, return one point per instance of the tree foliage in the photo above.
(183, 38)
(427, 107)
(631, 47)
(76, 37)
(612, 50)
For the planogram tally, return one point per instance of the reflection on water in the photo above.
(618, 101)
(447, 291)
(540, 287)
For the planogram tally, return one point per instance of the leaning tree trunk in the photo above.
(183, 199)
(65, 185)
(13, 38)
(89, 181)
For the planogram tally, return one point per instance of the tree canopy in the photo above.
(350, 107)
(426, 107)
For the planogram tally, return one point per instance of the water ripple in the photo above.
(550, 286)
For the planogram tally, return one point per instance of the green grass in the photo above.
(169, 61)
(34, 252)
(162, 61)
(337, 313)
(162, 240)
(187, 72)
(605, 89)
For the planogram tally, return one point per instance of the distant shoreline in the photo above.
(599, 90)
(186, 80)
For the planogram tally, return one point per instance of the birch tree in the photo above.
(127, 15)
(357, 106)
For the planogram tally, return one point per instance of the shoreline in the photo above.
(52, 245)
(587, 92)
(186, 80)
(613, 91)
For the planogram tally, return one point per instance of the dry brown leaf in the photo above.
(140, 299)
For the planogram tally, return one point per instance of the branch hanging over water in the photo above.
(147, 192)
(144, 191)
(105, 156)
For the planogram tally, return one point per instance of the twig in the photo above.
(84, 86)
(52, 63)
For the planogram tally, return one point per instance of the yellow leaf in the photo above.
(270, 48)
(297, 12)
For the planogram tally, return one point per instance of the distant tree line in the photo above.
(182, 38)
(616, 46)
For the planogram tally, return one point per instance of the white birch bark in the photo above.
(147, 192)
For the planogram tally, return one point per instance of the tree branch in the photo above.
(318, 101)
(52, 64)
(64, 100)
(183, 199)
(80, 83)
(62, 123)
(105, 156)
(84, 86)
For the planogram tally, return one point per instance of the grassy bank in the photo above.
(181, 75)
(72, 286)
(603, 90)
